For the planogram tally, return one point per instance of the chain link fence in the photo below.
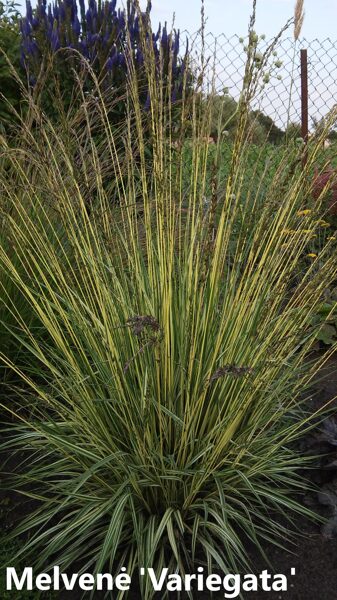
(280, 98)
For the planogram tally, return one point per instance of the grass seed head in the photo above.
(299, 18)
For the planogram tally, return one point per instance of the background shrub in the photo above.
(10, 47)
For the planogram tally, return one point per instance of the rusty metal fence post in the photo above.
(304, 103)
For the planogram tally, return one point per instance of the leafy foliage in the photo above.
(261, 128)
(7, 550)
(326, 319)
(9, 51)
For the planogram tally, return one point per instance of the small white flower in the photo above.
(254, 38)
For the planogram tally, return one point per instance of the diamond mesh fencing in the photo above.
(280, 97)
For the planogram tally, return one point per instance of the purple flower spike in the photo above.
(29, 10)
(88, 18)
(164, 37)
(62, 12)
(84, 49)
(54, 40)
(99, 31)
(176, 43)
(93, 7)
(32, 48)
(76, 26)
(157, 35)
(121, 20)
(109, 64)
(121, 60)
(25, 28)
(41, 10)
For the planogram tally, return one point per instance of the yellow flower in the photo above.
(312, 255)
(322, 223)
(332, 237)
(303, 213)
(297, 231)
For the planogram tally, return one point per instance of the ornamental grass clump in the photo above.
(173, 356)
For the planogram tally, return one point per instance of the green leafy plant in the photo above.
(7, 550)
(326, 319)
(9, 60)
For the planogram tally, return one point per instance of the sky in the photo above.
(231, 16)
